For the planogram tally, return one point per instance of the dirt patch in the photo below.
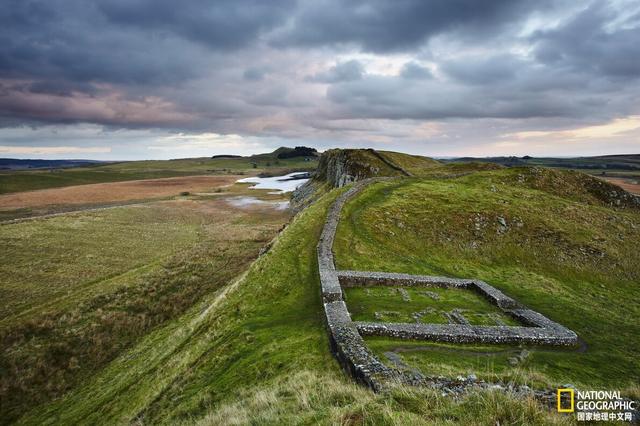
(114, 191)
(631, 185)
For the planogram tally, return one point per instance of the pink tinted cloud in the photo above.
(109, 105)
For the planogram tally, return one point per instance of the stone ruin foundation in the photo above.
(346, 336)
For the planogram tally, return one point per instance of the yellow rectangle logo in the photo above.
(563, 408)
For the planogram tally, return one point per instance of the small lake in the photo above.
(281, 184)
(253, 201)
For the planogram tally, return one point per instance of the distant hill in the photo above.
(213, 157)
(17, 164)
(610, 162)
(298, 151)
(285, 152)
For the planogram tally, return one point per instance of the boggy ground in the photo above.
(114, 191)
(560, 250)
(54, 200)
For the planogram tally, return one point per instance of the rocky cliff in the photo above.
(339, 167)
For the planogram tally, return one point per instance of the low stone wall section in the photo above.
(460, 333)
(541, 331)
(351, 351)
(365, 278)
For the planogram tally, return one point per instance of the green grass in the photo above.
(319, 398)
(492, 363)
(48, 259)
(414, 164)
(270, 324)
(133, 170)
(563, 253)
(80, 289)
(432, 304)
(256, 352)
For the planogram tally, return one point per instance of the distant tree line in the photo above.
(298, 151)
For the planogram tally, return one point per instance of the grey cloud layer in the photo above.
(585, 44)
(403, 25)
(290, 68)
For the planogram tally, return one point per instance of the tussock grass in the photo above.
(309, 397)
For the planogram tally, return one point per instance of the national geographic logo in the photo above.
(596, 405)
(566, 400)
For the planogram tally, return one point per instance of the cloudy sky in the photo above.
(133, 79)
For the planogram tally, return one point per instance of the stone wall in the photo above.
(346, 342)
(346, 335)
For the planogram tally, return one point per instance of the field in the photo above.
(631, 184)
(78, 197)
(81, 288)
(558, 249)
(18, 181)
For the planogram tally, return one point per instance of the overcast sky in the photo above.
(134, 79)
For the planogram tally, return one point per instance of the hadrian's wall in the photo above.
(346, 335)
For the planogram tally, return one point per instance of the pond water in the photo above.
(281, 184)
(253, 201)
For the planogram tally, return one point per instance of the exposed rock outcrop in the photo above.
(339, 167)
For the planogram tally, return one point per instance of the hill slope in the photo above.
(545, 237)
(256, 351)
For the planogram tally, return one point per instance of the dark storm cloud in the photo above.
(116, 55)
(384, 26)
(254, 74)
(220, 24)
(132, 41)
(70, 40)
(394, 97)
(584, 68)
(586, 44)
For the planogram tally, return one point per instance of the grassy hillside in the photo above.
(152, 314)
(132, 170)
(559, 242)
(603, 162)
(257, 352)
(414, 164)
(622, 170)
(80, 289)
